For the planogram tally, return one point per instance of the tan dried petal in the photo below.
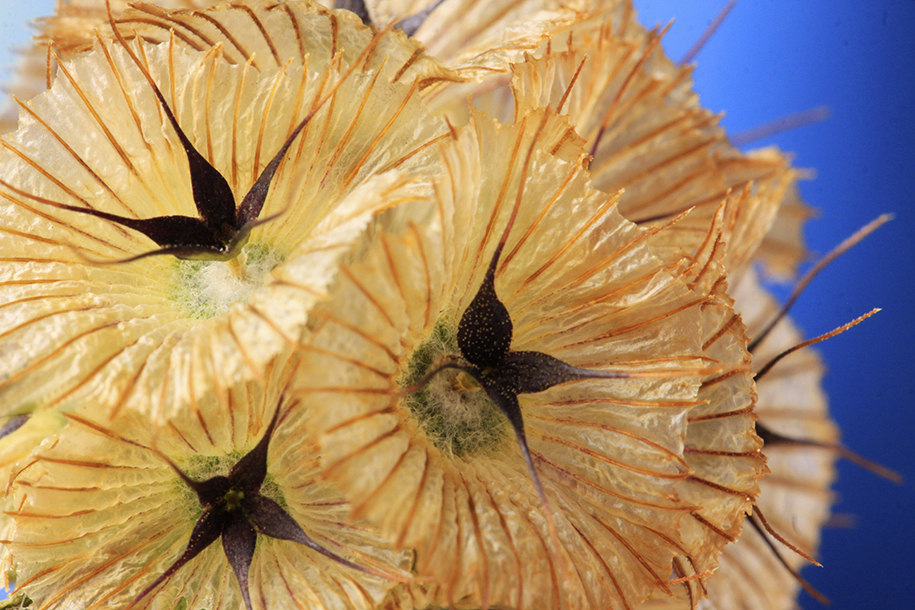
(581, 285)
(99, 514)
(722, 448)
(158, 329)
(653, 140)
(783, 248)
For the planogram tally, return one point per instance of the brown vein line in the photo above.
(598, 266)
(86, 464)
(328, 469)
(174, 335)
(737, 454)
(417, 53)
(39, 319)
(638, 556)
(334, 35)
(587, 424)
(701, 168)
(171, 425)
(51, 355)
(610, 461)
(734, 319)
(113, 561)
(344, 140)
(348, 360)
(605, 490)
(218, 383)
(478, 539)
(194, 406)
(535, 224)
(628, 329)
(356, 508)
(712, 416)
(39, 298)
(381, 133)
(208, 98)
(607, 296)
(91, 375)
(35, 165)
(420, 490)
(43, 240)
(168, 28)
(708, 262)
(427, 277)
(323, 127)
(225, 32)
(369, 297)
(707, 524)
(508, 536)
(721, 488)
(403, 159)
(269, 322)
(360, 333)
(53, 219)
(173, 21)
(136, 120)
(715, 380)
(313, 600)
(358, 418)
(255, 169)
(497, 206)
(609, 161)
(650, 45)
(295, 28)
(607, 570)
(611, 202)
(125, 158)
(249, 361)
(72, 152)
(299, 100)
(260, 26)
(457, 560)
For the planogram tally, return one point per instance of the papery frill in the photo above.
(98, 514)
(153, 330)
(580, 284)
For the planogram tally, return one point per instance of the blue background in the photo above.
(772, 58)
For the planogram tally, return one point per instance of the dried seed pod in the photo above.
(440, 468)
(123, 516)
(147, 331)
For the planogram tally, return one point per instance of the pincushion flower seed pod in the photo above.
(152, 150)
(445, 460)
(123, 517)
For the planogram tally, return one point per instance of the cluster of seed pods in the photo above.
(405, 304)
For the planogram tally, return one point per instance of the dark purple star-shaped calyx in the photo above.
(235, 510)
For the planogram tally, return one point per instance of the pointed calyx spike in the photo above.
(221, 228)
(235, 510)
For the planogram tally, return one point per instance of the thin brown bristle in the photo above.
(835, 253)
(813, 341)
(707, 34)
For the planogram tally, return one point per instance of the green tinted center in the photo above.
(207, 288)
(452, 409)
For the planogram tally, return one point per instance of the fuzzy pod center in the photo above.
(204, 289)
(452, 409)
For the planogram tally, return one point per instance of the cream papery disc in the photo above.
(440, 470)
(150, 333)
